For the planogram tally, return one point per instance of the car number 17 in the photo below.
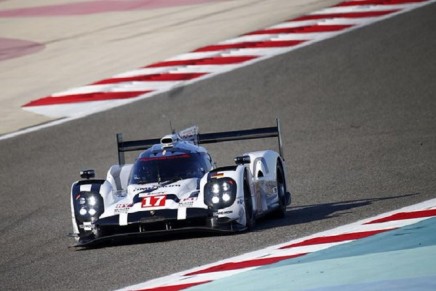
(153, 201)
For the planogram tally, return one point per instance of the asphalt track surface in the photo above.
(359, 121)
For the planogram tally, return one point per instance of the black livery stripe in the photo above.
(144, 217)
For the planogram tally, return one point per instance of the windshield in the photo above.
(167, 168)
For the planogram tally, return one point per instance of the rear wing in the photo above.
(204, 138)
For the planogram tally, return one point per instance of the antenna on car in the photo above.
(173, 131)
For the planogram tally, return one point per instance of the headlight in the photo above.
(220, 193)
(215, 188)
(83, 211)
(226, 186)
(92, 201)
(88, 206)
(226, 197)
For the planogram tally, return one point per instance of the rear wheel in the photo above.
(281, 192)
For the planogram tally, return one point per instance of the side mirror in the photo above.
(87, 174)
(241, 160)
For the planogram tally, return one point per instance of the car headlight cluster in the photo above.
(89, 206)
(220, 193)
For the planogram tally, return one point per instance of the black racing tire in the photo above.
(281, 192)
(248, 205)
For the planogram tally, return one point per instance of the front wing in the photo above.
(149, 224)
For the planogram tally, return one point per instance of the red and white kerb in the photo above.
(208, 61)
(292, 249)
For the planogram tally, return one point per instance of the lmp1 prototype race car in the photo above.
(173, 186)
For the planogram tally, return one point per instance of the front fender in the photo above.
(236, 211)
(263, 164)
(102, 188)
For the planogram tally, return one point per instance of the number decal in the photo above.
(153, 201)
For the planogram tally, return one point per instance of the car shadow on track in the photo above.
(309, 213)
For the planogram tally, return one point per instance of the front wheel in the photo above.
(248, 204)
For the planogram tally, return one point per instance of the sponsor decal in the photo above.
(123, 205)
(171, 185)
(186, 202)
(150, 191)
(225, 212)
(153, 201)
(122, 208)
(87, 226)
(145, 189)
(142, 195)
(217, 175)
(182, 156)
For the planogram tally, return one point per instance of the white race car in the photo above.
(173, 186)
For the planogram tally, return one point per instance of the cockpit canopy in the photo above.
(163, 166)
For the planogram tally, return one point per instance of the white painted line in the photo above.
(119, 87)
(325, 21)
(367, 8)
(194, 56)
(144, 71)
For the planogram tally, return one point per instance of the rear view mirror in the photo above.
(87, 174)
(241, 160)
